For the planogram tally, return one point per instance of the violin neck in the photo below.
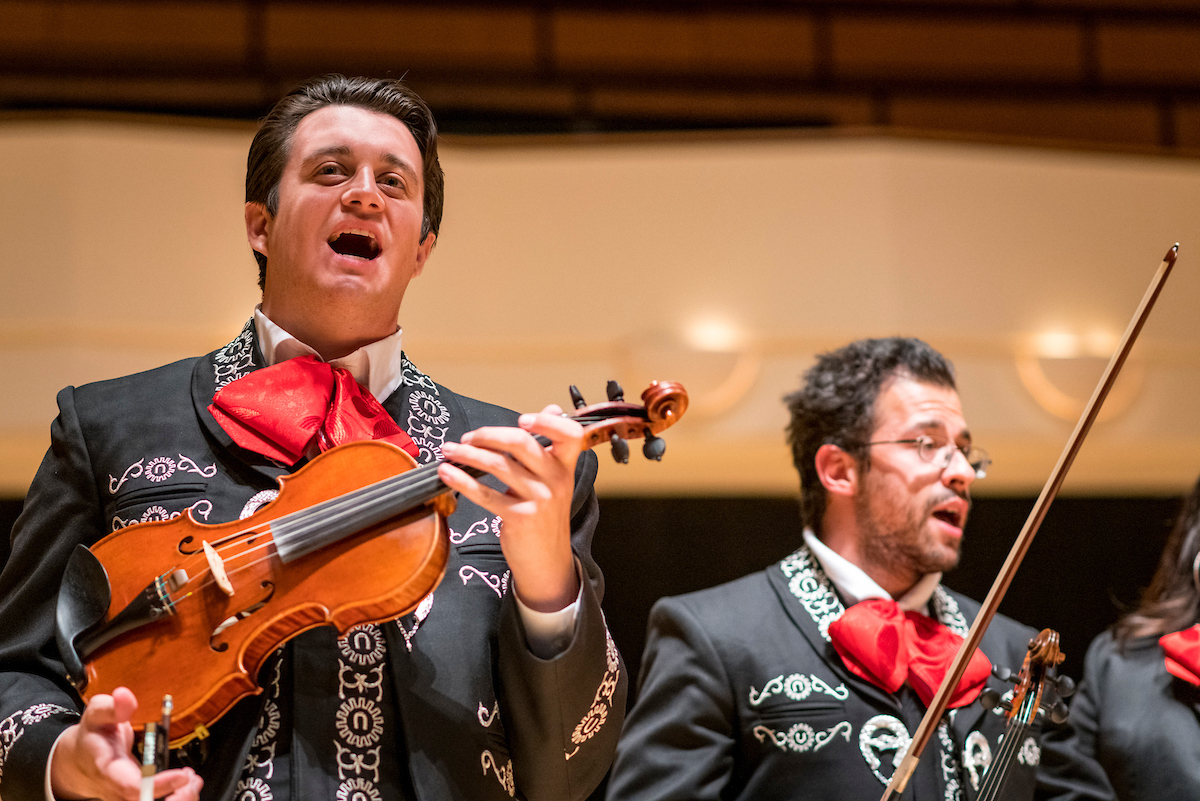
(308, 530)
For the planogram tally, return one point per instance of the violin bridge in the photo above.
(218, 568)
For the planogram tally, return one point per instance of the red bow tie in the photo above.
(887, 646)
(278, 411)
(1183, 654)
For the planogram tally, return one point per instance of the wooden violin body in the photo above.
(356, 536)
(209, 646)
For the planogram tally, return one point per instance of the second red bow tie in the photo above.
(888, 647)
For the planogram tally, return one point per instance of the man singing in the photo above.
(503, 681)
(807, 680)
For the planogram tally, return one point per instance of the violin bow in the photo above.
(958, 667)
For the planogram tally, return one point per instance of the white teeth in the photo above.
(357, 231)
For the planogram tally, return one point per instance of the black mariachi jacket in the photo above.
(481, 716)
(742, 696)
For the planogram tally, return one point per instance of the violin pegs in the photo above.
(1059, 712)
(577, 397)
(654, 447)
(620, 449)
(1002, 673)
(1065, 686)
(615, 393)
(989, 698)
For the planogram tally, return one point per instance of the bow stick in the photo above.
(958, 667)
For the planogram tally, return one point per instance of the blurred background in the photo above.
(707, 192)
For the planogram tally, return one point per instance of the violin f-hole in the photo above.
(221, 646)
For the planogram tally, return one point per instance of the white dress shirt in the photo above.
(855, 585)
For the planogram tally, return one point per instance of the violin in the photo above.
(1027, 706)
(356, 536)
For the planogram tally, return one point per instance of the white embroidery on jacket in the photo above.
(260, 762)
(498, 584)
(159, 469)
(801, 737)
(235, 359)
(797, 686)
(977, 757)
(203, 507)
(602, 702)
(808, 582)
(504, 773)
(423, 610)
(952, 790)
(257, 501)
(879, 735)
(1030, 753)
(12, 728)
(487, 718)
(475, 529)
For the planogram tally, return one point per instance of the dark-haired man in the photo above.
(782, 684)
(503, 680)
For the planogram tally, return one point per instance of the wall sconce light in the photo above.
(1094, 346)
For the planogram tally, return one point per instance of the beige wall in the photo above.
(575, 262)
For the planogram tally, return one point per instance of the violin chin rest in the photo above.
(82, 604)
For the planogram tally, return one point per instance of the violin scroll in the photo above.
(617, 420)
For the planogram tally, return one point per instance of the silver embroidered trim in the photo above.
(497, 584)
(602, 703)
(946, 610)
(879, 735)
(423, 610)
(260, 762)
(235, 359)
(257, 501)
(12, 728)
(486, 718)
(475, 529)
(203, 507)
(159, 468)
(504, 773)
(801, 737)
(951, 789)
(797, 686)
(428, 418)
(808, 582)
(977, 757)
(1030, 753)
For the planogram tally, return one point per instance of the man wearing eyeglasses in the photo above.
(808, 679)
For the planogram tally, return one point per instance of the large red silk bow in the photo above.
(278, 411)
(887, 646)
(1183, 654)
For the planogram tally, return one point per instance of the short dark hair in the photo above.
(272, 143)
(836, 405)
(1172, 601)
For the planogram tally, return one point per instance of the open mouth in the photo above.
(355, 243)
(949, 516)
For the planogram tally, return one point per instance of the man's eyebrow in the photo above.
(924, 425)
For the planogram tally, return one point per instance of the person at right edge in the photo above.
(807, 680)
(1138, 708)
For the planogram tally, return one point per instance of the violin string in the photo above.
(305, 525)
(1012, 742)
(392, 487)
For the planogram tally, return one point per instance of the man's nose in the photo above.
(362, 192)
(959, 471)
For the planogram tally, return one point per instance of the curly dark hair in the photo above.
(272, 144)
(1172, 601)
(836, 405)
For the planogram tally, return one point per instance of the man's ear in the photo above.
(837, 470)
(258, 227)
(423, 251)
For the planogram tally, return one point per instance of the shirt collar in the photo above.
(378, 366)
(855, 585)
